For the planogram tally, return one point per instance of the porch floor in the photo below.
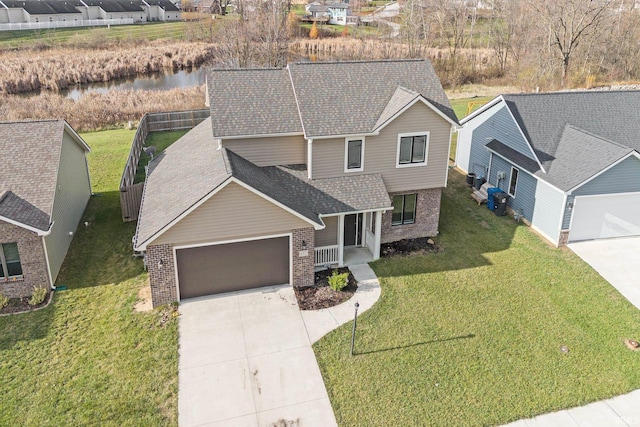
(354, 256)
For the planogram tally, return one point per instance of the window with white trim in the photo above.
(513, 182)
(412, 149)
(354, 154)
(404, 209)
(10, 261)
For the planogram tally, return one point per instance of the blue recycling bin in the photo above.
(490, 204)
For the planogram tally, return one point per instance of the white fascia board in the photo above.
(357, 212)
(411, 104)
(611, 166)
(143, 246)
(27, 227)
(524, 137)
(77, 138)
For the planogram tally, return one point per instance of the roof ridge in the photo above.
(12, 122)
(568, 125)
(4, 194)
(246, 69)
(571, 92)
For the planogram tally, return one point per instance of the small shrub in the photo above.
(37, 296)
(338, 281)
(4, 301)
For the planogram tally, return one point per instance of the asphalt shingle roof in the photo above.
(28, 176)
(345, 98)
(320, 98)
(252, 102)
(511, 154)
(193, 167)
(578, 134)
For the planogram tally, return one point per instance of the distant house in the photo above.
(316, 10)
(570, 161)
(38, 11)
(44, 189)
(282, 179)
(338, 13)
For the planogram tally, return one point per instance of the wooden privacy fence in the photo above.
(130, 191)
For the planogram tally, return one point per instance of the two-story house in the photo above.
(285, 177)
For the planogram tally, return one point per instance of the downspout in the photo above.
(310, 158)
(46, 257)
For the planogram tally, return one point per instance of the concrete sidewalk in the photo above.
(321, 322)
(623, 411)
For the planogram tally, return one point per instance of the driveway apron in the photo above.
(246, 360)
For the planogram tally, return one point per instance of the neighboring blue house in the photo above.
(569, 160)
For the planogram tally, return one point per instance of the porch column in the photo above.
(378, 233)
(363, 229)
(340, 240)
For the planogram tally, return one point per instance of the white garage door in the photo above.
(601, 217)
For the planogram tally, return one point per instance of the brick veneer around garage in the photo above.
(427, 217)
(303, 266)
(32, 260)
(162, 275)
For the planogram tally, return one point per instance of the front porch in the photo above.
(354, 238)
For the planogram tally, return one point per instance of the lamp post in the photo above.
(353, 332)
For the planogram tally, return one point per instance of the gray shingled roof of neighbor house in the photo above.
(345, 98)
(193, 167)
(28, 176)
(575, 135)
(252, 102)
(320, 98)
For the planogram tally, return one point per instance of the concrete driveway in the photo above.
(246, 360)
(617, 260)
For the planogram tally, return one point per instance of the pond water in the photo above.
(158, 81)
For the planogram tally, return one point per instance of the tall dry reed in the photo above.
(97, 110)
(61, 68)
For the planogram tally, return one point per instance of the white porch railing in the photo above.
(327, 255)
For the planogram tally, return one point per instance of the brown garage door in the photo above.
(234, 266)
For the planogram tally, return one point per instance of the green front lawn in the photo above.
(471, 336)
(88, 358)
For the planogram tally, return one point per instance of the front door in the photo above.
(353, 230)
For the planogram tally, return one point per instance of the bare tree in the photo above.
(508, 31)
(570, 23)
(258, 38)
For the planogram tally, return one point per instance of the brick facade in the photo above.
(162, 275)
(32, 259)
(426, 222)
(303, 266)
(564, 238)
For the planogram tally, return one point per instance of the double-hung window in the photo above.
(354, 154)
(404, 209)
(10, 261)
(412, 149)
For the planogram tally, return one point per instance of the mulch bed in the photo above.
(320, 295)
(421, 245)
(21, 305)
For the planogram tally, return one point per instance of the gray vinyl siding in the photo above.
(232, 213)
(547, 212)
(525, 188)
(329, 235)
(72, 194)
(380, 152)
(286, 150)
(499, 126)
(623, 178)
